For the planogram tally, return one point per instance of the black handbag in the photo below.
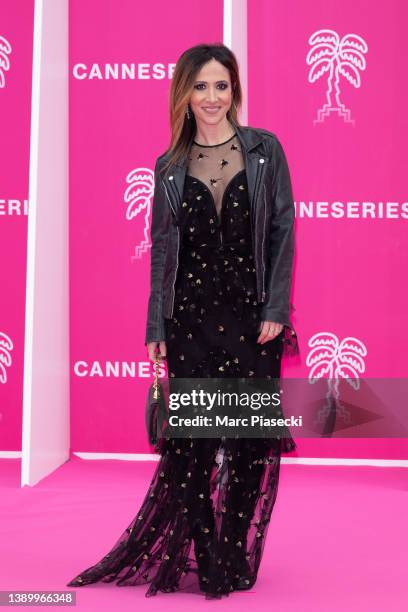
(156, 410)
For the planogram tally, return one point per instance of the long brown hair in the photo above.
(187, 67)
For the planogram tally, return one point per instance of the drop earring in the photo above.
(188, 113)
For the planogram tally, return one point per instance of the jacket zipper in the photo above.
(258, 177)
(177, 263)
(167, 195)
(263, 241)
(175, 273)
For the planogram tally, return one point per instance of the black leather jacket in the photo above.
(272, 217)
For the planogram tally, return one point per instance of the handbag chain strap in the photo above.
(156, 387)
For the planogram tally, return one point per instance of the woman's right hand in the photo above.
(151, 348)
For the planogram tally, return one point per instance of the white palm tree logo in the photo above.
(336, 360)
(6, 345)
(336, 57)
(138, 197)
(5, 50)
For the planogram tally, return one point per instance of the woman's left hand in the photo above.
(268, 331)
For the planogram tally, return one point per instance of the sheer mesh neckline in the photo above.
(215, 145)
(215, 167)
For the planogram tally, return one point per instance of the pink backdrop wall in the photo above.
(348, 267)
(349, 270)
(16, 42)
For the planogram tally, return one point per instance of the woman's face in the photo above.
(212, 93)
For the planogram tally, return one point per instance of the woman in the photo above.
(221, 266)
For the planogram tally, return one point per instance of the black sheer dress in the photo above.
(203, 523)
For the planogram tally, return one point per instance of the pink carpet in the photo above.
(337, 540)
